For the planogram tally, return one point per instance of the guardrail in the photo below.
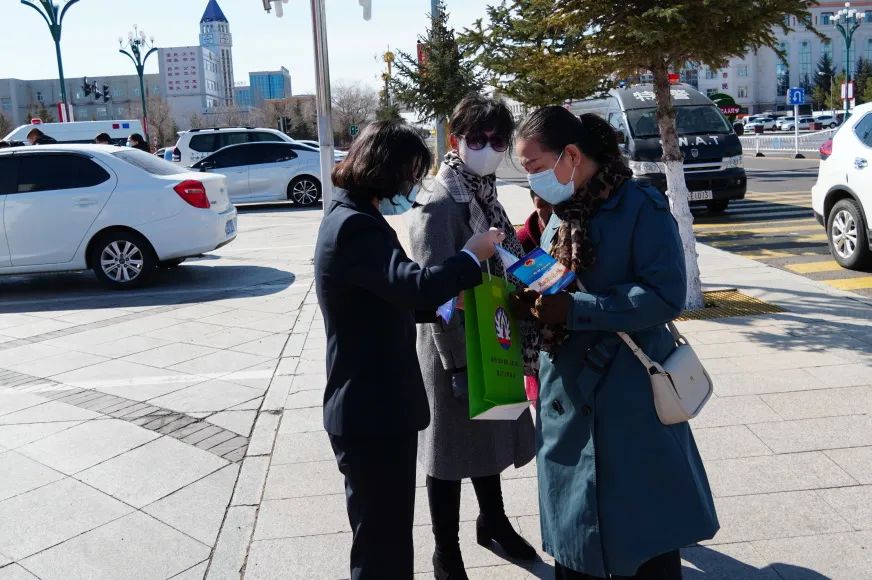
(786, 143)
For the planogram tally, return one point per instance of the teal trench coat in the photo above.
(616, 486)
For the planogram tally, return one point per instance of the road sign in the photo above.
(674, 78)
(796, 96)
(353, 130)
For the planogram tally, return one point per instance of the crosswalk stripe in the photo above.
(851, 283)
(762, 241)
(814, 267)
(741, 211)
(726, 226)
(805, 227)
(773, 254)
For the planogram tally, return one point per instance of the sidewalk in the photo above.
(787, 442)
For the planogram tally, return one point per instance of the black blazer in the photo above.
(369, 292)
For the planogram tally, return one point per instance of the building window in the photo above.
(709, 74)
(102, 113)
(867, 16)
(782, 72)
(117, 93)
(827, 19)
(5, 103)
(869, 47)
(710, 92)
(137, 93)
(742, 71)
(39, 96)
(805, 66)
(827, 48)
(742, 92)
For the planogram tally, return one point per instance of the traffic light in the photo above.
(106, 95)
(86, 87)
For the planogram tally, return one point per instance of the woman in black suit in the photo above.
(371, 295)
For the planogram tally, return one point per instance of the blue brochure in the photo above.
(542, 273)
(446, 311)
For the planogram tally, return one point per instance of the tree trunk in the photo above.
(676, 187)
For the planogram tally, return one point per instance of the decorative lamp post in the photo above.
(847, 21)
(389, 59)
(138, 48)
(53, 14)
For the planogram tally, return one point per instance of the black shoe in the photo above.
(505, 535)
(449, 566)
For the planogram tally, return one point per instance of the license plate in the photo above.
(700, 195)
(230, 227)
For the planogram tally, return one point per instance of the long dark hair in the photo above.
(554, 128)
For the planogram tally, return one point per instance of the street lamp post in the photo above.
(54, 14)
(847, 21)
(136, 45)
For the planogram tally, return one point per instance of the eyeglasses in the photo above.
(477, 141)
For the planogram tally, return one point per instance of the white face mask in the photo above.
(483, 161)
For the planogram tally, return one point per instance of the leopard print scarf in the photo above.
(572, 245)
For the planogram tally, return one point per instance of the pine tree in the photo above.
(434, 87)
(862, 79)
(5, 125)
(545, 51)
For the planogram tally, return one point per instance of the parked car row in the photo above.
(789, 123)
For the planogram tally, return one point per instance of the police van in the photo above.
(713, 163)
(80, 131)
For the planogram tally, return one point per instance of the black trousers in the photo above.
(664, 567)
(380, 496)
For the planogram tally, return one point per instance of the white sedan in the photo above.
(118, 211)
(276, 171)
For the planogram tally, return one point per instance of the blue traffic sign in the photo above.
(796, 96)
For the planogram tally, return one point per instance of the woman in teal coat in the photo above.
(619, 492)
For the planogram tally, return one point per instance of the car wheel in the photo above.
(719, 206)
(123, 260)
(304, 191)
(833, 125)
(170, 264)
(846, 232)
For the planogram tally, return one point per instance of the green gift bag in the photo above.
(494, 359)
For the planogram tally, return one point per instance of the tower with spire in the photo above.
(215, 36)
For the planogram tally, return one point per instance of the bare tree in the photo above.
(196, 121)
(162, 128)
(353, 104)
(5, 125)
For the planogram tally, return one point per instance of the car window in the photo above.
(691, 120)
(262, 136)
(233, 157)
(863, 130)
(7, 175)
(237, 138)
(150, 163)
(54, 171)
(204, 143)
(271, 153)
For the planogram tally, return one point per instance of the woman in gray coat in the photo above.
(463, 201)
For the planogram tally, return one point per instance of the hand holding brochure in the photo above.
(538, 271)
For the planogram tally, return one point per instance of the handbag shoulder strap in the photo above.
(649, 364)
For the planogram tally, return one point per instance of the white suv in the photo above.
(196, 144)
(842, 196)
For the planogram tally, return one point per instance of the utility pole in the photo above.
(54, 14)
(136, 44)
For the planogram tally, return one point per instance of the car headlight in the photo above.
(733, 162)
(645, 167)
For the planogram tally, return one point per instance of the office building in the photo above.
(759, 80)
(21, 99)
(215, 36)
(269, 85)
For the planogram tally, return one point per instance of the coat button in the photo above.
(586, 410)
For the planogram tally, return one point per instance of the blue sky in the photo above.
(261, 41)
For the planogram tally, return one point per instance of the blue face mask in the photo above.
(398, 204)
(546, 185)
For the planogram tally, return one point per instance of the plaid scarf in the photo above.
(572, 245)
(485, 212)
